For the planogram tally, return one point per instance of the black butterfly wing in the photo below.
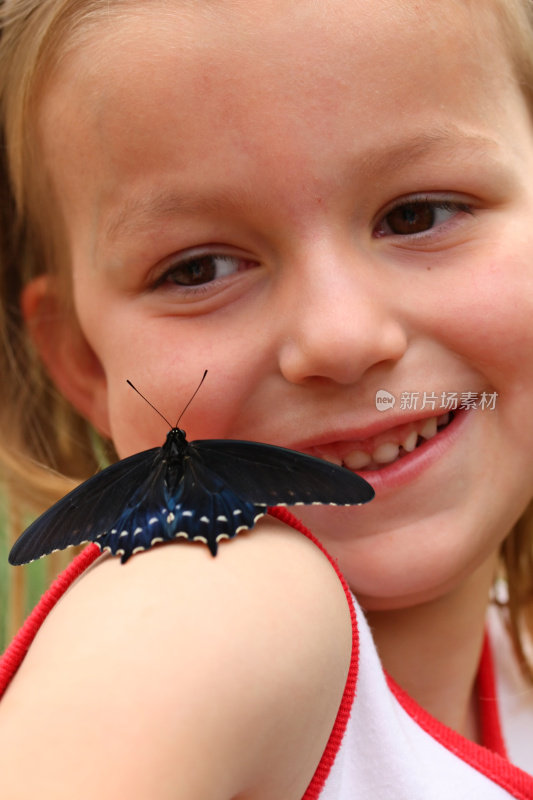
(88, 510)
(207, 491)
(272, 475)
(130, 506)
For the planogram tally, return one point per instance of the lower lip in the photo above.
(412, 465)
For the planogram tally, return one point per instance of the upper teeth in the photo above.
(387, 452)
(409, 443)
(429, 428)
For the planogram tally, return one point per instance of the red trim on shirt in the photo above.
(334, 742)
(489, 759)
(14, 655)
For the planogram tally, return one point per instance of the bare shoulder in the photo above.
(183, 676)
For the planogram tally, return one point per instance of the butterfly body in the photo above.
(205, 490)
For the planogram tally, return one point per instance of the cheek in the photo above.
(166, 365)
(485, 316)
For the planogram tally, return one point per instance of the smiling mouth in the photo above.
(374, 454)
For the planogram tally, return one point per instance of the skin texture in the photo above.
(282, 136)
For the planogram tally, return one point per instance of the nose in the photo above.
(340, 320)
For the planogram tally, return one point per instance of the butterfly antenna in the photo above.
(149, 403)
(192, 398)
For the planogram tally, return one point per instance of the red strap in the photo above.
(334, 742)
(14, 655)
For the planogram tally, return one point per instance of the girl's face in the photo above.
(315, 202)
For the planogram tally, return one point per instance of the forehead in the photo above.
(282, 32)
(291, 49)
(170, 86)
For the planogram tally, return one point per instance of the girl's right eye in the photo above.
(203, 269)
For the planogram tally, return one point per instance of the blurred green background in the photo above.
(21, 587)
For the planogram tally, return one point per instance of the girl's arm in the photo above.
(182, 676)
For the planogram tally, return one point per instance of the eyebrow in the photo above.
(169, 204)
(452, 138)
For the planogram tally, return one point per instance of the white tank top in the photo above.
(384, 746)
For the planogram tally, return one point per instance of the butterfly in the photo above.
(205, 490)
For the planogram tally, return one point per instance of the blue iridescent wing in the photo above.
(201, 507)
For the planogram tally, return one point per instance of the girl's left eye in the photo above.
(419, 216)
(203, 269)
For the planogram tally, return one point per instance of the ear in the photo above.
(65, 352)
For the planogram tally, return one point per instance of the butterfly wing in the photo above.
(212, 490)
(225, 487)
(198, 506)
(132, 505)
(91, 508)
(272, 475)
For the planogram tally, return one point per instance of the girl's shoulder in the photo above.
(212, 677)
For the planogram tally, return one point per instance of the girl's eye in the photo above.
(203, 269)
(418, 216)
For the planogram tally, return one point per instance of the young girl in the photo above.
(328, 206)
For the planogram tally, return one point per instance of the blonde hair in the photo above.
(45, 446)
